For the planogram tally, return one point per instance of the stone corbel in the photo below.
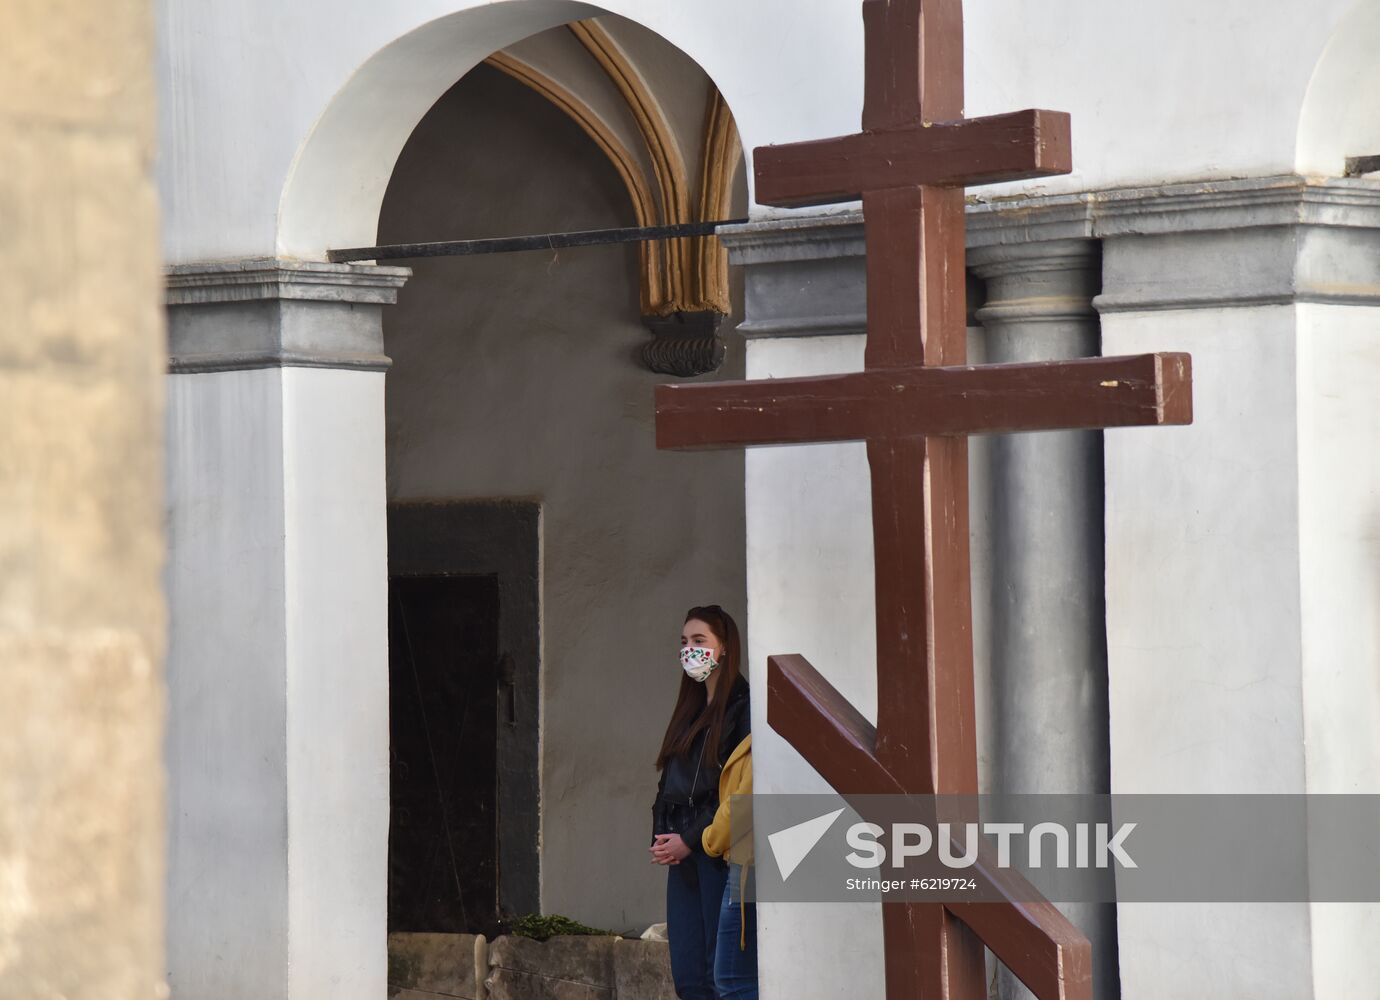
(684, 344)
(685, 340)
(684, 286)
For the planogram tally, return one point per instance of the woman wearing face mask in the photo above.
(710, 719)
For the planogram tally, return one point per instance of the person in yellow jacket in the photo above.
(730, 837)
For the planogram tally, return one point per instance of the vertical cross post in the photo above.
(913, 404)
(916, 309)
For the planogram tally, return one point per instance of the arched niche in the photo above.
(515, 384)
(1341, 108)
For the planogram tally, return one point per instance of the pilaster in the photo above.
(1241, 615)
(278, 660)
(1044, 595)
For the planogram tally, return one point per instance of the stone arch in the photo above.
(514, 379)
(335, 187)
(1340, 117)
(337, 180)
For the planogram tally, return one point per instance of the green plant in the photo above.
(539, 926)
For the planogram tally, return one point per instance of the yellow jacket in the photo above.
(730, 835)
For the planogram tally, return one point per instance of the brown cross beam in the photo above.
(914, 403)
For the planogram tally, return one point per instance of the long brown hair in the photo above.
(691, 713)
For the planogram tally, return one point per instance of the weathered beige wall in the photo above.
(81, 610)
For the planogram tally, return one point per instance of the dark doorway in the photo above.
(464, 667)
(444, 676)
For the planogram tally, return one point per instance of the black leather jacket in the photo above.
(688, 794)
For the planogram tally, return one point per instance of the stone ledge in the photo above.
(810, 326)
(272, 313)
(1238, 204)
(1035, 219)
(795, 238)
(267, 278)
(231, 361)
(1204, 244)
(1196, 206)
(1199, 206)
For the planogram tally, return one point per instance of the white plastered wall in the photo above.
(280, 122)
(1202, 630)
(1243, 622)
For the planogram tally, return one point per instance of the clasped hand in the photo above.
(669, 849)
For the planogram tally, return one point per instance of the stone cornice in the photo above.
(273, 313)
(1194, 245)
(795, 237)
(1200, 206)
(266, 279)
(1287, 200)
(1037, 219)
(239, 361)
(1197, 206)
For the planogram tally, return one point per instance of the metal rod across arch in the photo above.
(518, 244)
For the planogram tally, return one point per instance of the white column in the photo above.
(278, 662)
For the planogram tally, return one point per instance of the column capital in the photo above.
(273, 313)
(999, 260)
(1041, 281)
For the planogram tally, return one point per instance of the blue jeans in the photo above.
(735, 959)
(694, 894)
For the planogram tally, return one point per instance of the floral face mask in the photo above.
(698, 662)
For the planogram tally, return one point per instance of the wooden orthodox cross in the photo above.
(914, 403)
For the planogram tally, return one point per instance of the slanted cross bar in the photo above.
(913, 404)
